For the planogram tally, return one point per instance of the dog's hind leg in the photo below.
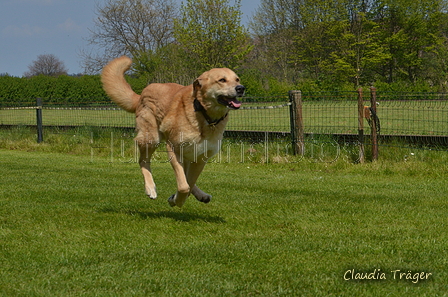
(146, 151)
(148, 140)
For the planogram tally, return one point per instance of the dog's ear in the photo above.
(196, 87)
(198, 83)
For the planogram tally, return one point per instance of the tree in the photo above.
(411, 32)
(47, 64)
(129, 27)
(357, 51)
(214, 37)
(356, 41)
(294, 34)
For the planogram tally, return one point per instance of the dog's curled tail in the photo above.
(115, 85)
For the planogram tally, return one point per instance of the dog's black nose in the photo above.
(240, 89)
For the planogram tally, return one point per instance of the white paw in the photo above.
(151, 193)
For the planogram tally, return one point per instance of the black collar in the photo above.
(199, 107)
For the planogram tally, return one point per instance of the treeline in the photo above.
(313, 46)
(352, 43)
(318, 45)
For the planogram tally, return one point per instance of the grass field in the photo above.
(326, 116)
(72, 227)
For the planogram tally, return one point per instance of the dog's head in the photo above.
(220, 86)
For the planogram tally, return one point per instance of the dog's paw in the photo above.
(152, 196)
(151, 193)
(201, 195)
(171, 201)
(204, 198)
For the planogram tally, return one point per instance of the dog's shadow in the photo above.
(181, 216)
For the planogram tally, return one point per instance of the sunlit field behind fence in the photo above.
(406, 114)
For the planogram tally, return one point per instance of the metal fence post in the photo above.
(40, 136)
(291, 122)
(361, 126)
(374, 127)
(296, 119)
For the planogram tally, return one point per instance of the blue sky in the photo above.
(29, 28)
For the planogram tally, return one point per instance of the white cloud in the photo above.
(27, 31)
(69, 26)
(38, 2)
(22, 31)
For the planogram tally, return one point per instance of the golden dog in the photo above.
(190, 119)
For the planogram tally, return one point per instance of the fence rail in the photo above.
(409, 116)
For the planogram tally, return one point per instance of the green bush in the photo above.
(87, 89)
(83, 89)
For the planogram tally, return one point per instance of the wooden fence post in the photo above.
(361, 126)
(40, 136)
(296, 119)
(374, 127)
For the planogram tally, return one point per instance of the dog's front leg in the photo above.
(201, 195)
(183, 189)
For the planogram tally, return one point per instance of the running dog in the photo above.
(190, 119)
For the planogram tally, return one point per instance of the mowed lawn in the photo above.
(69, 227)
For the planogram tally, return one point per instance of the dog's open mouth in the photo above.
(230, 102)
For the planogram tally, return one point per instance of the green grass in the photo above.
(118, 145)
(72, 227)
(69, 117)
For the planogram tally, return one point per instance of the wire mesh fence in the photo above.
(270, 116)
(414, 114)
(330, 113)
(410, 116)
(67, 114)
(262, 116)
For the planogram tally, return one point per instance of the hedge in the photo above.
(87, 89)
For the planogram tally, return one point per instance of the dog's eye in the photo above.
(223, 80)
(237, 80)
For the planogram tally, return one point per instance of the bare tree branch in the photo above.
(47, 64)
(130, 27)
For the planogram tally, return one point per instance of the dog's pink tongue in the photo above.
(235, 104)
